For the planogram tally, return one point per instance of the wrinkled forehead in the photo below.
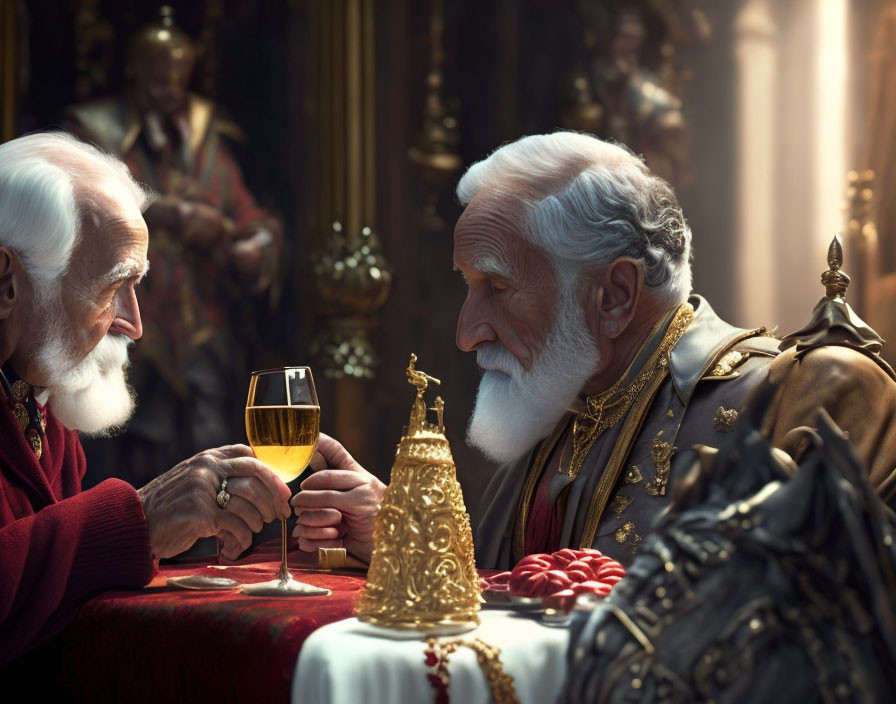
(493, 208)
(508, 192)
(112, 232)
(490, 236)
(109, 203)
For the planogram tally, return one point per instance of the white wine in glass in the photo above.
(283, 426)
(283, 437)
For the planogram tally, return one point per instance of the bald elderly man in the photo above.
(599, 369)
(72, 251)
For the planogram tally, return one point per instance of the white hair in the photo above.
(48, 182)
(589, 202)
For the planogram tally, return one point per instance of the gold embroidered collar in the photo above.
(604, 410)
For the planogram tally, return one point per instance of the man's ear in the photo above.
(615, 296)
(8, 282)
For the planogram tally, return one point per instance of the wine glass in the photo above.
(283, 426)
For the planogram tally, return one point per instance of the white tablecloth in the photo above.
(345, 663)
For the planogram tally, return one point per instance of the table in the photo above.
(162, 644)
(346, 662)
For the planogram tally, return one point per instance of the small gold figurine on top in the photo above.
(439, 407)
(420, 380)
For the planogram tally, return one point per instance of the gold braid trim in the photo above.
(525, 503)
(500, 684)
(659, 364)
(620, 399)
(607, 408)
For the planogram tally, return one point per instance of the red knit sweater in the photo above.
(59, 545)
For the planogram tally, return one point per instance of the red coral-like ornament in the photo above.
(565, 573)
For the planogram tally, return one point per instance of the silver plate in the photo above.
(503, 600)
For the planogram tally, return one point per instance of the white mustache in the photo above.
(516, 407)
(110, 354)
(495, 357)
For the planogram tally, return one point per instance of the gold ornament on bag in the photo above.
(422, 572)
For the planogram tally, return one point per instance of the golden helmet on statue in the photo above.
(160, 39)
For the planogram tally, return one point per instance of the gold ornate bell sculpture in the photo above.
(422, 575)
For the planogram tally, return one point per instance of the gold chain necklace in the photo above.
(604, 410)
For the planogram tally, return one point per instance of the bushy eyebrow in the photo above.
(488, 264)
(124, 270)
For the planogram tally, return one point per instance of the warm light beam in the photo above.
(756, 57)
(830, 127)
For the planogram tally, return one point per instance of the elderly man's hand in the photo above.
(180, 506)
(338, 503)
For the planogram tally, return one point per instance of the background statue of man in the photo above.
(625, 90)
(210, 245)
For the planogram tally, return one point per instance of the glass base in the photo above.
(200, 582)
(284, 587)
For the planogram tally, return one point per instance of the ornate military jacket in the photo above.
(672, 399)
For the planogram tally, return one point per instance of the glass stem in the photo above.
(284, 574)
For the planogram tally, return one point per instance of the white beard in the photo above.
(516, 408)
(91, 395)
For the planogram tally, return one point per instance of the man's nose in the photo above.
(127, 314)
(473, 327)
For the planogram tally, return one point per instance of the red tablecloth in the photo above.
(162, 644)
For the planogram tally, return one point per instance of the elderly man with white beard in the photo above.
(599, 370)
(72, 250)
